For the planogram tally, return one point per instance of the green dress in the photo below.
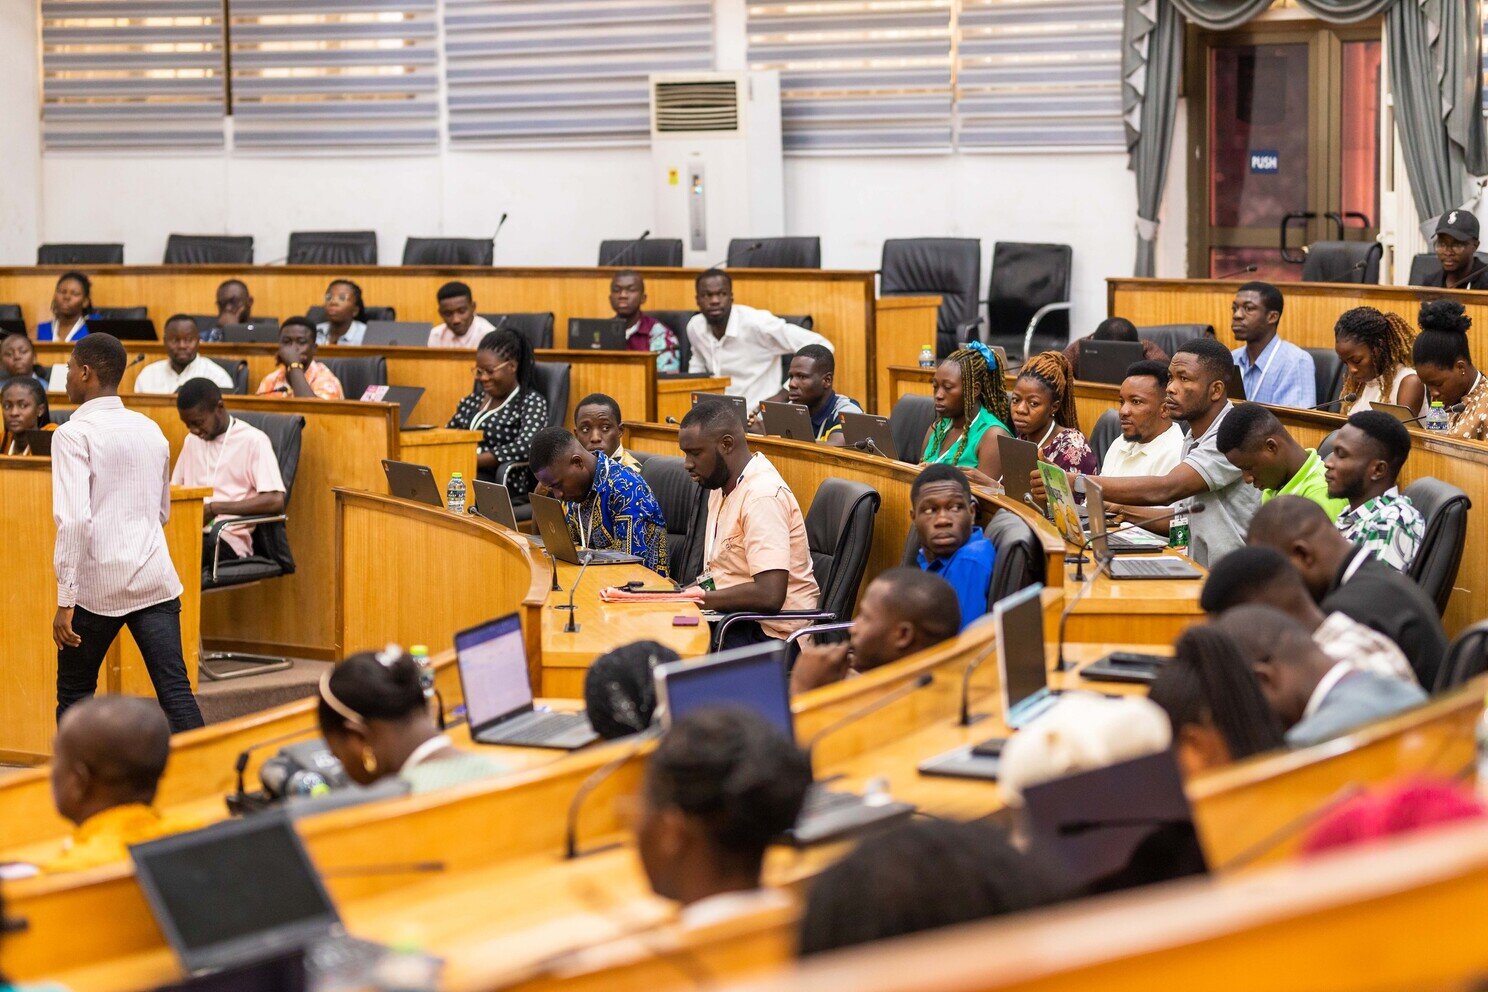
(959, 454)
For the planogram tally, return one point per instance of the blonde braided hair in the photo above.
(1052, 370)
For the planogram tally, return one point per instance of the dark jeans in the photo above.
(157, 631)
(742, 634)
(225, 553)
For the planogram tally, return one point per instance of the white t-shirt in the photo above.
(1156, 457)
(159, 377)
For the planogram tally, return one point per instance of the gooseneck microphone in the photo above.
(571, 627)
(1347, 398)
(497, 233)
(1238, 272)
(971, 667)
(596, 778)
(1454, 408)
(888, 698)
(629, 247)
(750, 250)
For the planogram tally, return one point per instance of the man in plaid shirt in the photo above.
(1362, 468)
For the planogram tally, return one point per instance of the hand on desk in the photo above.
(820, 664)
(62, 632)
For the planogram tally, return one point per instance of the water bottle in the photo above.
(927, 357)
(306, 783)
(420, 655)
(454, 497)
(1436, 419)
(1178, 535)
(406, 968)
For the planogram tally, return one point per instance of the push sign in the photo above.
(1265, 162)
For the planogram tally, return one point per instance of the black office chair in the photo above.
(356, 374)
(10, 311)
(80, 254)
(553, 379)
(677, 321)
(120, 313)
(537, 328)
(317, 315)
(1467, 658)
(1028, 297)
(1342, 261)
(271, 556)
(1327, 372)
(449, 251)
(238, 369)
(908, 421)
(685, 505)
(1325, 446)
(774, 253)
(1107, 429)
(1020, 555)
(209, 249)
(950, 268)
(839, 532)
(1425, 269)
(1169, 336)
(650, 252)
(1437, 559)
(332, 248)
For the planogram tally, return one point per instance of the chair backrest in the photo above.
(1342, 261)
(1325, 446)
(10, 311)
(356, 374)
(121, 313)
(80, 254)
(537, 328)
(1327, 370)
(685, 505)
(1020, 557)
(1169, 336)
(677, 321)
(449, 251)
(1107, 429)
(209, 249)
(774, 253)
(839, 531)
(1025, 277)
(285, 431)
(553, 383)
(238, 369)
(1467, 657)
(62, 416)
(1445, 508)
(332, 248)
(948, 267)
(664, 252)
(908, 422)
(1425, 267)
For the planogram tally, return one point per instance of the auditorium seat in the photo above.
(1327, 372)
(553, 379)
(910, 419)
(1028, 297)
(80, 254)
(10, 311)
(1107, 429)
(1325, 446)
(1020, 556)
(1445, 508)
(950, 268)
(685, 505)
(448, 251)
(774, 253)
(238, 369)
(209, 249)
(332, 248)
(654, 252)
(537, 328)
(120, 313)
(1342, 261)
(1169, 336)
(10, 319)
(356, 374)
(1467, 658)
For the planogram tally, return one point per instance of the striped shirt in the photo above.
(110, 498)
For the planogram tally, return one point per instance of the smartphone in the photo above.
(685, 621)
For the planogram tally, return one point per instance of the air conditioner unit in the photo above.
(715, 150)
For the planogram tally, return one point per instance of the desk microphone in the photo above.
(1238, 272)
(240, 764)
(673, 421)
(571, 627)
(1347, 398)
(555, 587)
(1454, 408)
(886, 699)
(135, 361)
(629, 247)
(571, 834)
(403, 868)
(868, 446)
(756, 246)
(975, 663)
(1345, 275)
(497, 233)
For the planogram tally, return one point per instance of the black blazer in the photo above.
(1427, 271)
(1392, 603)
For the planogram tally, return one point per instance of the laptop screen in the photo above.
(493, 670)
(753, 677)
(1020, 644)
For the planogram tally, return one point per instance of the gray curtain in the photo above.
(1151, 73)
(1222, 15)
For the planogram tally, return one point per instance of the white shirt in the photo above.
(110, 498)
(441, 337)
(728, 905)
(160, 377)
(1156, 457)
(749, 352)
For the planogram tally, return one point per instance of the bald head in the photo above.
(1286, 661)
(1300, 530)
(110, 751)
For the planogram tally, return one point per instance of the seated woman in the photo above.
(1375, 347)
(505, 407)
(18, 359)
(620, 688)
(1444, 364)
(376, 721)
(344, 323)
(24, 405)
(1044, 413)
(972, 408)
(72, 301)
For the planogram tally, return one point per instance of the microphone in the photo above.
(1237, 272)
(750, 250)
(240, 764)
(673, 421)
(555, 587)
(571, 627)
(867, 445)
(886, 699)
(497, 233)
(406, 867)
(1454, 408)
(1346, 398)
(976, 663)
(571, 834)
(135, 361)
(629, 247)
(1358, 266)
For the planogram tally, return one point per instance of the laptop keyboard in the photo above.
(341, 962)
(1131, 541)
(1164, 568)
(545, 728)
(820, 801)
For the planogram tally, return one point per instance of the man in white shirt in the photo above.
(741, 342)
(182, 340)
(1150, 443)
(110, 499)
(462, 327)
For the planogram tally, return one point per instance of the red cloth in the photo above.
(1402, 808)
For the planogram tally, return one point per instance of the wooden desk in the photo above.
(674, 395)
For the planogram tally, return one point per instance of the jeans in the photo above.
(157, 631)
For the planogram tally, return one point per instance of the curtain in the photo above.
(1151, 68)
(1222, 15)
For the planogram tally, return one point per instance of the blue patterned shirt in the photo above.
(621, 514)
(1283, 375)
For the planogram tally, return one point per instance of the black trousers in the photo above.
(157, 631)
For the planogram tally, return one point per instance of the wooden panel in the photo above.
(674, 396)
(907, 380)
(905, 325)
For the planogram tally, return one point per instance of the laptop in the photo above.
(1234, 384)
(1106, 548)
(257, 332)
(492, 659)
(1023, 669)
(756, 678)
(39, 443)
(244, 891)
(1020, 460)
(124, 330)
(409, 481)
(1062, 507)
(493, 501)
(1400, 413)
(1107, 361)
(1134, 540)
(282, 973)
(396, 333)
(596, 333)
(789, 420)
(869, 432)
(737, 401)
(553, 526)
(407, 398)
(1125, 666)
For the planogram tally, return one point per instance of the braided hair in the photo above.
(1388, 338)
(981, 388)
(1052, 370)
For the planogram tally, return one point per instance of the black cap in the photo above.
(1460, 224)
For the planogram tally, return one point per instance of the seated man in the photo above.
(462, 327)
(234, 459)
(109, 755)
(1116, 329)
(1344, 578)
(234, 306)
(810, 384)
(1456, 265)
(643, 332)
(1315, 697)
(952, 546)
(597, 423)
(609, 507)
(1264, 576)
(719, 788)
(756, 558)
(1273, 370)
(1367, 456)
(182, 339)
(1150, 443)
(903, 611)
(18, 359)
(298, 373)
(1270, 459)
(741, 342)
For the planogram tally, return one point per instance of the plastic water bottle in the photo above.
(1436, 419)
(1481, 739)
(406, 968)
(420, 655)
(927, 357)
(454, 497)
(1178, 536)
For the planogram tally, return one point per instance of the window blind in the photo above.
(332, 73)
(1039, 73)
(565, 71)
(858, 74)
(131, 73)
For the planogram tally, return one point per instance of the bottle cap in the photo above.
(456, 475)
(419, 651)
(1436, 403)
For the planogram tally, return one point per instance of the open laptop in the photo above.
(409, 481)
(282, 973)
(1019, 461)
(789, 420)
(39, 443)
(1155, 566)
(396, 333)
(124, 330)
(1134, 540)
(258, 331)
(553, 526)
(1234, 384)
(407, 398)
(869, 432)
(1107, 361)
(1400, 413)
(492, 659)
(755, 678)
(737, 401)
(596, 334)
(1018, 621)
(493, 501)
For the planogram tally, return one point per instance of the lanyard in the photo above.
(588, 531)
(711, 531)
(1264, 369)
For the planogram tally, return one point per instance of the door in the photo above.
(1284, 129)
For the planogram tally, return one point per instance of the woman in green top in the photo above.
(972, 407)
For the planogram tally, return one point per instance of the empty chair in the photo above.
(449, 251)
(356, 374)
(1107, 429)
(333, 248)
(1445, 508)
(10, 311)
(1327, 370)
(663, 252)
(120, 313)
(1169, 336)
(553, 379)
(537, 328)
(10, 319)
(1028, 297)
(80, 254)
(685, 505)
(1020, 555)
(908, 423)
(238, 369)
(1467, 657)
(950, 268)
(774, 253)
(1342, 261)
(209, 249)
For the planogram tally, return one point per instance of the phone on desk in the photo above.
(990, 748)
(685, 621)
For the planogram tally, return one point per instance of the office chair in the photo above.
(537, 328)
(685, 505)
(908, 422)
(950, 268)
(1327, 370)
(651, 253)
(1020, 555)
(1325, 446)
(120, 313)
(553, 379)
(356, 374)
(208, 249)
(238, 369)
(332, 248)
(677, 321)
(1169, 337)
(1028, 297)
(449, 251)
(1106, 430)
(774, 253)
(1467, 658)
(80, 254)
(1342, 261)
(1437, 559)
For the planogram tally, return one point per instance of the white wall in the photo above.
(20, 134)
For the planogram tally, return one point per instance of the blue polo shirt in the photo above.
(969, 571)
